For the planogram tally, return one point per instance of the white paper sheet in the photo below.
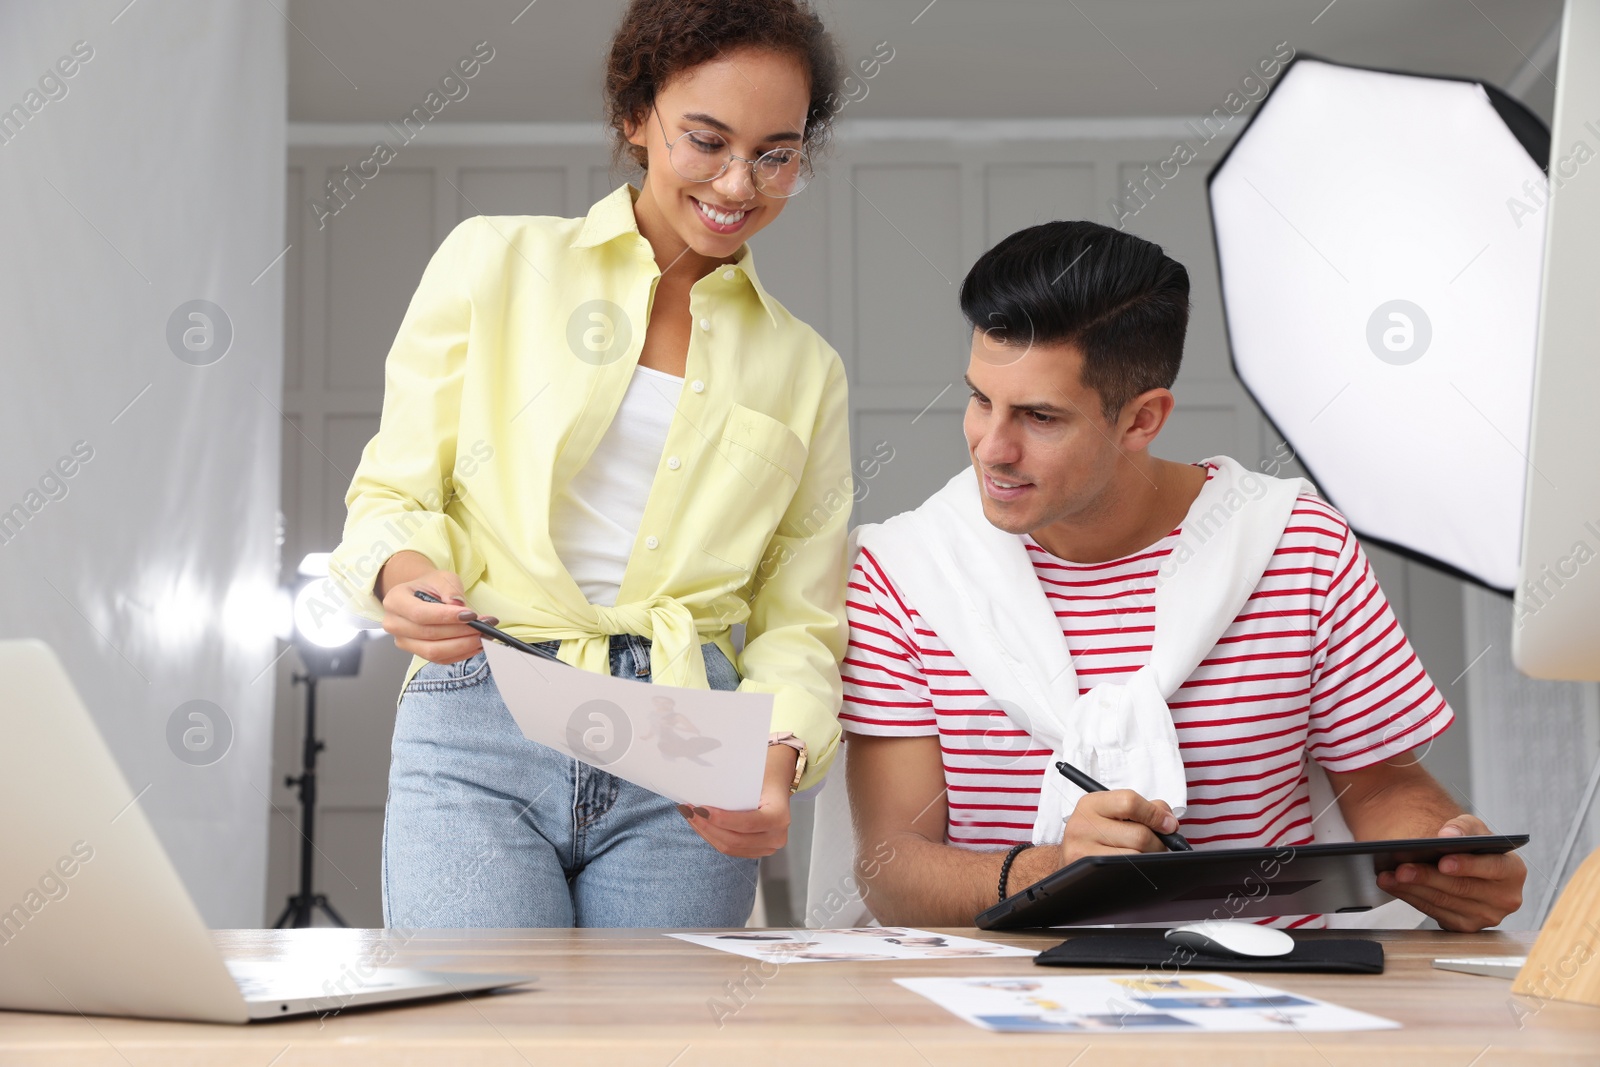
(693, 746)
(1136, 1004)
(853, 945)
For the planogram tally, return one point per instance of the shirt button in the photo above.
(727, 275)
(652, 541)
(698, 386)
(673, 463)
(705, 324)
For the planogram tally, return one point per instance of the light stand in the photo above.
(329, 648)
(320, 663)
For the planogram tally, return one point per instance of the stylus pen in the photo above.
(489, 631)
(1174, 842)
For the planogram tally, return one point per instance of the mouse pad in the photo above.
(1147, 948)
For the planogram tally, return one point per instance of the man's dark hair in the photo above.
(1115, 297)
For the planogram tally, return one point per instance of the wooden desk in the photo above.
(607, 997)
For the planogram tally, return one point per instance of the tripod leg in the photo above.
(322, 902)
(296, 914)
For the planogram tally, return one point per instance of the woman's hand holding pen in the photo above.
(757, 833)
(436, 632)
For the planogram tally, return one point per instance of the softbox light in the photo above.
(1379, 238)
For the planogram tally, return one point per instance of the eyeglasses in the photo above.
(703, 156)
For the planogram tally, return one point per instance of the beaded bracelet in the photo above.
(1005, 865)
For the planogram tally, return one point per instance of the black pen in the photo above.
(489, 631)
(1174, 842)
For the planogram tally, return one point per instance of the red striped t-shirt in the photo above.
(1315, 662)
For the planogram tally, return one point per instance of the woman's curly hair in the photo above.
(658, 39)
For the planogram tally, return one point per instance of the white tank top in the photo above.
(594, 521)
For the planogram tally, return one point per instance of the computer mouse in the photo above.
(1225, 938)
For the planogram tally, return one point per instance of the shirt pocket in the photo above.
(749, 433)
(753, 477)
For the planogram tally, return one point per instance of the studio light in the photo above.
(315, 621)
(328, 642)
(1379, 238)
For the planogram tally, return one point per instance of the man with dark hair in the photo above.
(1208, 642)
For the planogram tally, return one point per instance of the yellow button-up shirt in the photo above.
(508, 367)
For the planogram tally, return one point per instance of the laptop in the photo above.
(94, 919)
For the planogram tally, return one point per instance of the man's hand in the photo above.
(751, 834)
(1115, 821)
(1464, 892)
(1397, 799)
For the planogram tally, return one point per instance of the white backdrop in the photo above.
(141, 170)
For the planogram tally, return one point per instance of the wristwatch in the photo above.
(787, 738)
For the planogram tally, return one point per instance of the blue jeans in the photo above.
(485, 828)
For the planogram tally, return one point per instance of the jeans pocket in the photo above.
(438, 677)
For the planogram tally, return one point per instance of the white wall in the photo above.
(871, 255)
(155, 179)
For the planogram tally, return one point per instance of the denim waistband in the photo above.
(618, 641)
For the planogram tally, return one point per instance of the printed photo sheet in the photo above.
(860, 944)
(693, 746)
(1135, 1003)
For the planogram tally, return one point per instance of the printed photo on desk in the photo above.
(1135, 1003)
(857, 944)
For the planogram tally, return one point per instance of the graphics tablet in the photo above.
(1230, 883)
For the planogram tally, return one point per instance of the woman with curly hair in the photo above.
(604, 435)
